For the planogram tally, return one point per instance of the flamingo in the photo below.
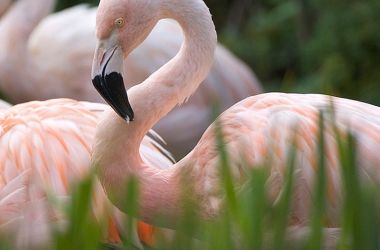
(255, 129)
(28, 39)
(45, 147)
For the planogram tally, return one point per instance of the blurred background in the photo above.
(302, 45)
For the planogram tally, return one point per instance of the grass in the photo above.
(249, 219)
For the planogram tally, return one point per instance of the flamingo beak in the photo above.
(108, 80)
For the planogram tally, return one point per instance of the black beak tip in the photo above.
(128, 116)
(111, 88)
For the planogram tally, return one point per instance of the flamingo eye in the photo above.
(119, 22)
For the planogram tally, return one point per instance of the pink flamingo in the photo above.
(67, 40)
(45, 147)
(255, 130)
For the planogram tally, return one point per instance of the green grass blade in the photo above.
(318, 209)
(131, 205)
(83, 231)
(283, 206)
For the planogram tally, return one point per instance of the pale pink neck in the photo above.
(116, 149)
(19, 21)
(18, 70)
(173, 83)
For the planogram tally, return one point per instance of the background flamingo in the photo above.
(45, 148)
(255, 130)
(67, 40)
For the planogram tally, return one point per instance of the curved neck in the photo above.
(19, 21)
(117, 143)
(16, 26)
(177, 80)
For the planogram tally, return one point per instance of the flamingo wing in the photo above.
(260, 130)
(45, 148)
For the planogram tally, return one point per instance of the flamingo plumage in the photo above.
(45, 148)
(72, 31)
(254, 130)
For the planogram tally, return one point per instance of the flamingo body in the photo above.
(258, 131)
(45, 148)
(261, 130)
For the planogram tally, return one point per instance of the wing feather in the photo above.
(50, 142)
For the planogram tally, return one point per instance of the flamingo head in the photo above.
(121, 25)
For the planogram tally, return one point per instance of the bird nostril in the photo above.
(101, 54)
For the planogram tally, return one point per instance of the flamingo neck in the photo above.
(178, 79)
(16, 26)
(116, 149)
(19, 22)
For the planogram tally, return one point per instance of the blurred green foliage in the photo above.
(304, 45)
(62, 4)
(312, 46)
